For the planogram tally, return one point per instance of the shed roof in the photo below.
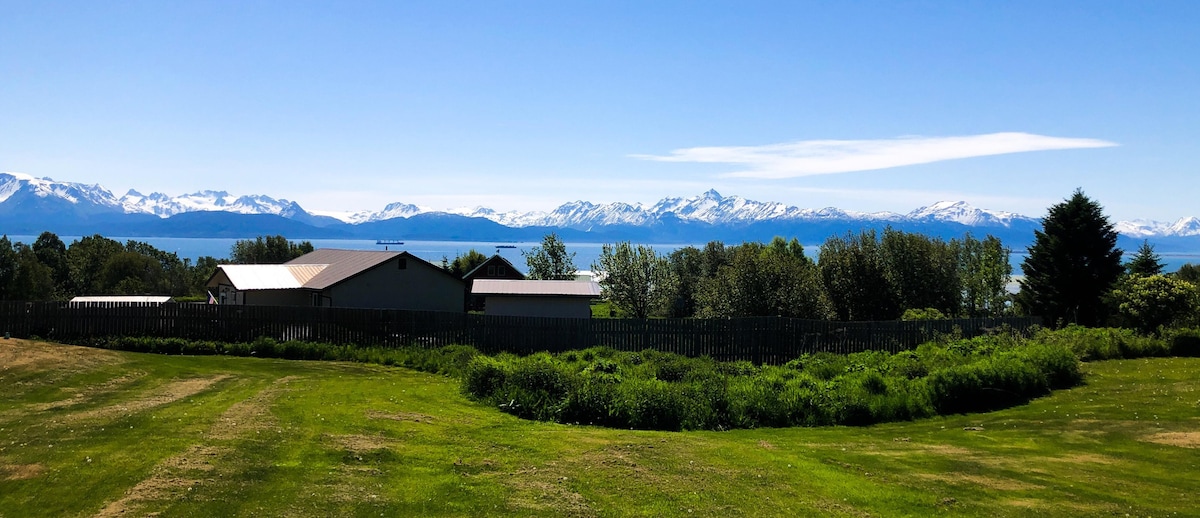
(271, 276)
(535, 288)
(135, 299)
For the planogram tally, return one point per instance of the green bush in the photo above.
(1184, 342)
(1091, 344)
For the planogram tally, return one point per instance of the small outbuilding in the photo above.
(494, 268)
(121, 300)
(536, 298)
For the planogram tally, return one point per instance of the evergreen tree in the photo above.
(1145, 262)
(1072, 264)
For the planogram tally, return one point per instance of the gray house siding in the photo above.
(418, 286)
(276, 298)
(524, 306)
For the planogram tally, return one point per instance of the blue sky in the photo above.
(865, 106)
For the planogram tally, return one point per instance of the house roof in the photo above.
(531, 288)
(342, 264)
(316, 270)
(493, 260)
(271, 276)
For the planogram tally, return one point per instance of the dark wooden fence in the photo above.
(758, 339)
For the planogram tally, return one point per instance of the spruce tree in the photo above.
(1145, 263)
(1072, 264)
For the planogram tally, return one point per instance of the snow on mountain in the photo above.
(1142, 228)
(77, 193)
(709, 207)
(1186, 227)
(510, 218)
(164, 206)
(963, 213)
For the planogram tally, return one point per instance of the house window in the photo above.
(491, 270)
(403, 262)
(501, 271)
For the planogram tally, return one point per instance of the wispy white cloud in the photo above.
(816, 157)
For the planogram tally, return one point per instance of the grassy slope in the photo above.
(89, 432)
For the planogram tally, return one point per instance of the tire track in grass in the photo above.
(203, 463)
(162, 395)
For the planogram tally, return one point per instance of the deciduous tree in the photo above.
(1147, 302)
(636, 280)
(985, 272)
(465, 263)
(268, 250)
(550, 261)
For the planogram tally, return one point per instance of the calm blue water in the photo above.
(434, 251)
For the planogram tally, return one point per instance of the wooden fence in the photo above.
(769, 340)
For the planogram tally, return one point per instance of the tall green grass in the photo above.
(664, 391)
(655, 390)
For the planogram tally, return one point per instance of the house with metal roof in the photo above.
(537, 298)
(495, 267)
(341, 278)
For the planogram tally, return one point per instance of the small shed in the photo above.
(536, 298)
(121, 300)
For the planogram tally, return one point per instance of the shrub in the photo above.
(484, 377)
(535, 388)
(1091, 344)
(922, 314)
(1184, 342)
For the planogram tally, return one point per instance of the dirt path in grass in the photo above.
(202, 463)
(17, 354)
(163, 395)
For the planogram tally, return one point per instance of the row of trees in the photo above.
(1073, 275)
(863, 276)
(95, 265)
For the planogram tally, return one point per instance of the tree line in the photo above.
(1073, 275)
(49, 269)
(867, 275)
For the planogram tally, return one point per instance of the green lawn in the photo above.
(88, 432)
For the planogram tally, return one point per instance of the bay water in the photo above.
(434, 251)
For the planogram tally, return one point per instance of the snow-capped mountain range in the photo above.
(708, 208)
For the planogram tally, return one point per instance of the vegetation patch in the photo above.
(21, 471)
(663, 391)
(1180, 439)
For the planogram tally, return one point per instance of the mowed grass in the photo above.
(89, 432)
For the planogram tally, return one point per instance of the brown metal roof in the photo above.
(535, 288)
(342, 264)
(270, 276)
